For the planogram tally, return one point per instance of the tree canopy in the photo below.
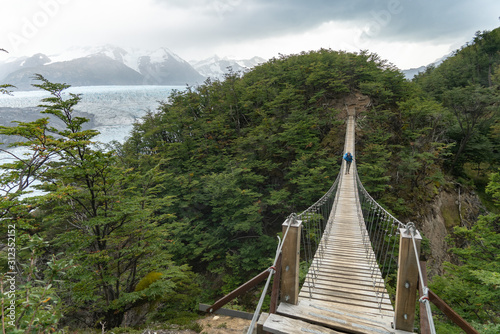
(189, 206)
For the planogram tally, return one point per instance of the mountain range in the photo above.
(216, 67)
(111, 65)
(411, 72)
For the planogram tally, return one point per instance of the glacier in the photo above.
(113, 109)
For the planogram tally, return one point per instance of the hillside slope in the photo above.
(189, 207)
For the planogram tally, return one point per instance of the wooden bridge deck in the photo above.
(347, 294)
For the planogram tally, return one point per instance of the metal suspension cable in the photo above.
(381, 227)
(379, 238)
(379, 233)
(425, 290)
(272, 271)
(309, 212)
(316, 223)
(360, 187)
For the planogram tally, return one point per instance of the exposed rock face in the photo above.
(448, 209)
(167, 71)
(36, 60)
(433, 226)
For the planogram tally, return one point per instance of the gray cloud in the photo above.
(394, 20)
(199, 28)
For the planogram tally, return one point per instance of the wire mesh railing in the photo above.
(316, 225)
(315, 222)
(380, 233)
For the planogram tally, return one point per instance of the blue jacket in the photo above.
(348, 158)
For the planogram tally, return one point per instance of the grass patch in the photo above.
(451, 216)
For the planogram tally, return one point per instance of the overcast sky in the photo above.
(408, 33)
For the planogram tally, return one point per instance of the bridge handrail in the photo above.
(291, 218)
(365, 192)
(324, 197)
(412, 232)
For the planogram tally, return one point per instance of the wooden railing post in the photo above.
(406, 289)
(290, 261)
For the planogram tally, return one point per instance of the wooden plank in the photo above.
(384, 305)
(344, 251)
(346, 304)
(451, 314)
(336, 300)
(334, 246)
(373, 303)
(228, 312)
(352, 260)
(341, 254)
(334, 275)
(344, 242)
(239, 291)
(282, 325)
(336, 251)
(349, 293)
(388, 315)
(337, 320)
(351, 275)
(349, 281)
(260, 324)
(345, 264)
(337, 254)
(352, 308)
(361, 290)
(351, 289)
(363, 286)
(349, 267)
(355, 290)
(370, 302)
(335, 272)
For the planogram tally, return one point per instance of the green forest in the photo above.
(188, 208)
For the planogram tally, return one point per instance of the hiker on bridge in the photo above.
(348, 158)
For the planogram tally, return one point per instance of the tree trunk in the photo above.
(489, 71)
(113, 319)
(461, 148)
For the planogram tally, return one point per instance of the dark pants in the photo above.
(347, 166)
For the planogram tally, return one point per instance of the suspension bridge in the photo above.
(344, 288)
(352, 248)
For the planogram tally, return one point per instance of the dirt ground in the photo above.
(212, 324)
(221, 324)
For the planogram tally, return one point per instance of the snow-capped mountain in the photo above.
(410, 73)
(103, 65)
(216, 67)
